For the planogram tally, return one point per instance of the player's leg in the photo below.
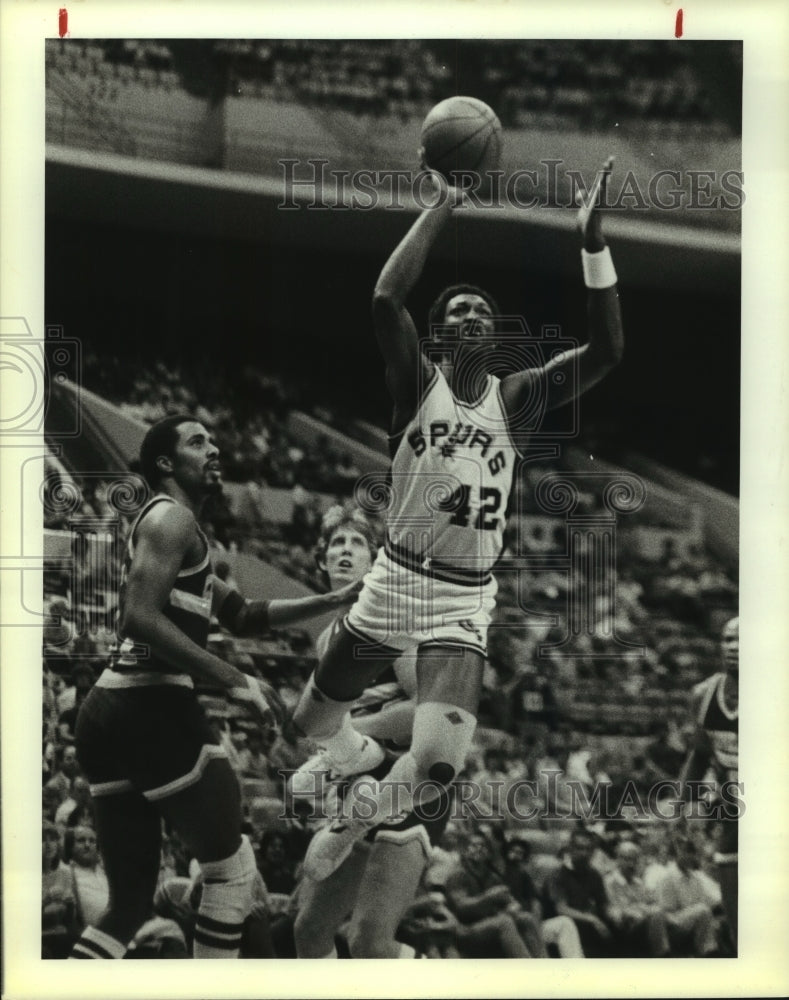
(129, 835)
(349, 665)
(727, 877)
(207, 816)
(390, 883)
(449, 682)
(323, 906)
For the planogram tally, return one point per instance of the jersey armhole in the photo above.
(507, 424)
(144, 513)
(395, 437)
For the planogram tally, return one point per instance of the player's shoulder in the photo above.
(167, 518)
(702, 692)
(704, 687)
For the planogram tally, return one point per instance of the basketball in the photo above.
(461, 134)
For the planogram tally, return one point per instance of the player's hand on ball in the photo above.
(442, 188)
(261, 697)
(589, 218)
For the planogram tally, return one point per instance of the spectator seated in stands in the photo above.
(430, 927)
(82, 680)
(77, 808)
(688, 899)
(66, 768)
(559, 933)
(491, 922)
(639, 923)
(91, 889)
(576, 890)
(58, 905)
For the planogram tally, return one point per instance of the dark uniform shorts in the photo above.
(155, 740)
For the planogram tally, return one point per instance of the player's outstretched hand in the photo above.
(344, 595)
(589, 218)
(261, 697)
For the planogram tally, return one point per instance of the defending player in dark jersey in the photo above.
(715, 703)
(452, 470)
(142, 737)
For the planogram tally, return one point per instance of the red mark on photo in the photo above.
(678, 24)
(62, 22)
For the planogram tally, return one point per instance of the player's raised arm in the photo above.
(605, 346)
(394, 327)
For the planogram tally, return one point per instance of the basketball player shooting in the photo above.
(452, 469)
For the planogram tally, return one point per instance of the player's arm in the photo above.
(253, 617)
(563, 378)
(162, 541)
(699, 753)
(394, 328)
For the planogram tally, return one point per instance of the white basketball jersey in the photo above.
(451, 478)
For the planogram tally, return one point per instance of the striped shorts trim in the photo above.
(208, 753)
(111, 788)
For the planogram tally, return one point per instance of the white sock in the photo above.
(224, 904)
(94, 943)
(345, 742)
(317, 715)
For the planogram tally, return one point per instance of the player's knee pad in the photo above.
(226, 898)
(441, 740)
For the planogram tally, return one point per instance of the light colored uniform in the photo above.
(450, 484)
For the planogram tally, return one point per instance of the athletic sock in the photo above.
(317, 715)
(345, 743)
(94, 943)
(225, 903)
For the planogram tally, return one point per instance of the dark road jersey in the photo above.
(720, 723)
(188, 607)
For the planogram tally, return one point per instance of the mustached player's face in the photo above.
(347, 556)
(730, 645)
(471, 315)
(196, 459)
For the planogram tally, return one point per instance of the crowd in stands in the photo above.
(524, 881)
(572, 82)
(498, 884)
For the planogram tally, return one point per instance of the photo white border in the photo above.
(764, 922)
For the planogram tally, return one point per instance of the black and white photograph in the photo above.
(393, 453)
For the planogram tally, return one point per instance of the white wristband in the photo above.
(598, 269)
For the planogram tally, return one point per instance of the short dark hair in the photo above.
(581, 833)
(160, 439)
(438, 310)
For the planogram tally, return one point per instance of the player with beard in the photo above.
(142, 737)
(716, 711)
